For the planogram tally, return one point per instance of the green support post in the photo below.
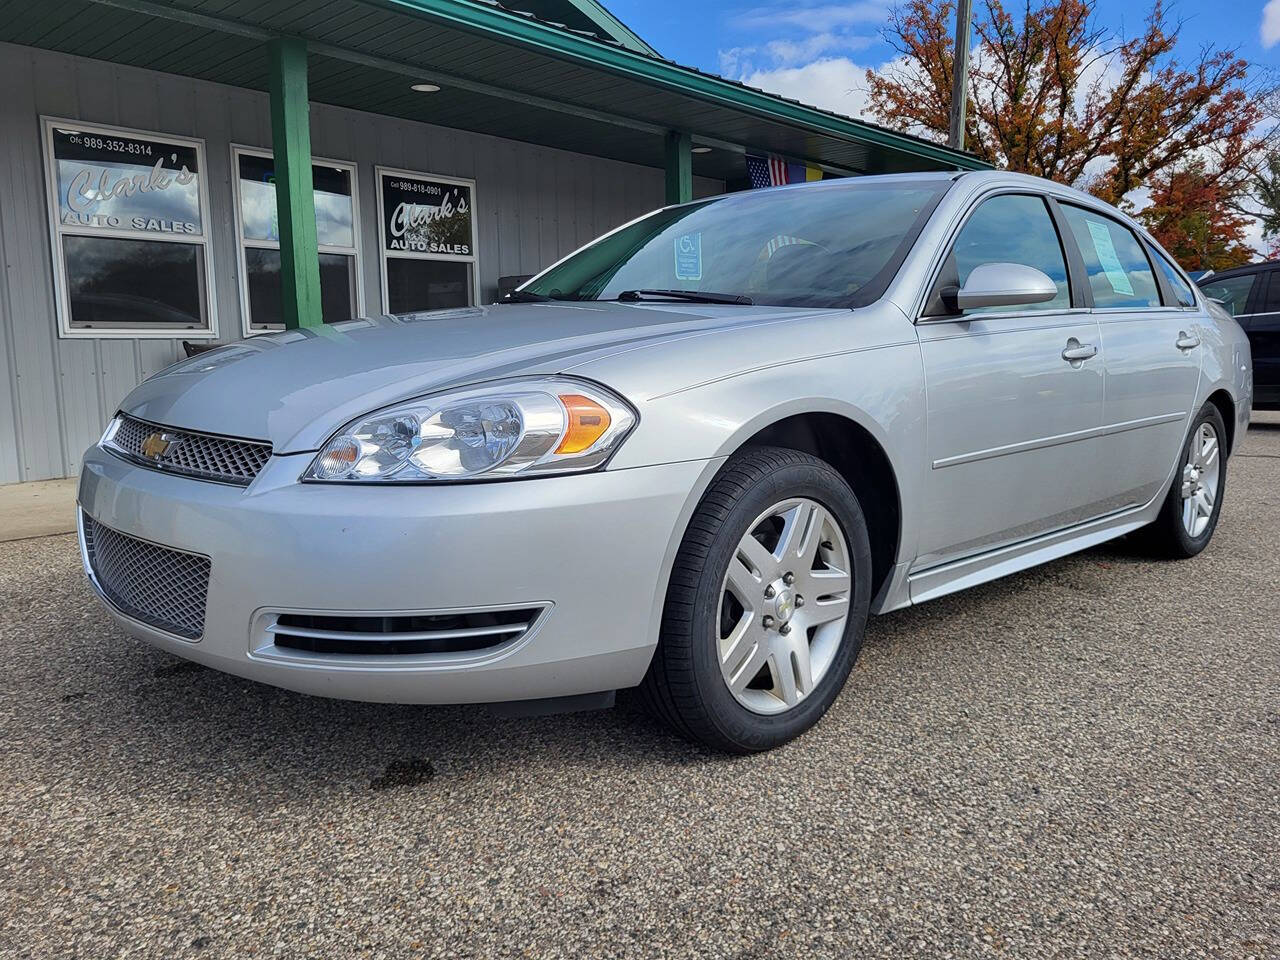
(679, 168)
(295, 195)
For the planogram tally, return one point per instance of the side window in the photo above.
(1119, 272)
(1181, 289)
(1013, 228)
(1232, 292)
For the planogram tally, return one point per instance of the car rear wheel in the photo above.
(767, 604)
(1190, 512)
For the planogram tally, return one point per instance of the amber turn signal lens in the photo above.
(587, 423)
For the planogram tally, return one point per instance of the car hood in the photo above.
(296, 388)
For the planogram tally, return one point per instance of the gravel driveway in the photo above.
(1080, 761)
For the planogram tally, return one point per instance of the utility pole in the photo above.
(960, 73)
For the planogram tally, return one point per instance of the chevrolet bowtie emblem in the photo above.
(157, 445)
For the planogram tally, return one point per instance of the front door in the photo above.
(1151, 350)
(1014, 397)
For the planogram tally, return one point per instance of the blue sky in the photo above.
(818, 50)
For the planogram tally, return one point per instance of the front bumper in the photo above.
(595, 549)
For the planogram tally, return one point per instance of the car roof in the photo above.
(1241, 271)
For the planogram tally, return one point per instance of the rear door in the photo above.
(1262, 325)
(1241, 295)
(1014, 395)
(1151, 350)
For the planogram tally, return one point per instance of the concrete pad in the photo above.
(38, 509)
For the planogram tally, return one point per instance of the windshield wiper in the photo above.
(525, 296)
(693, 296)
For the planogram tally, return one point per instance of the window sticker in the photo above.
(1108, 258)
(689, 257)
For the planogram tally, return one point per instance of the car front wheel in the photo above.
(767, 604)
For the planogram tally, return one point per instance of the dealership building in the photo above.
(183, 172)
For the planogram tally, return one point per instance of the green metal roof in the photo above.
(586, 16)
(502, 72)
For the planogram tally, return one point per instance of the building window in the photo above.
(337, 219)
(427, 227)
(128, 227)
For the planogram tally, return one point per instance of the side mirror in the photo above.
(1004, 285)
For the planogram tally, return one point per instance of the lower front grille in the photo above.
(164, 588)
(401, 635)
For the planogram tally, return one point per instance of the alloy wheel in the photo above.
(784, 606)
(1200, 479)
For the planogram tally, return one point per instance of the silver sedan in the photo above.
(692, 457)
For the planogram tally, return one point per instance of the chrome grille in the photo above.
(201, 455)
(159, 586)
(401, 634)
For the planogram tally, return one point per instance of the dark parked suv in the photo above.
(1252, 295)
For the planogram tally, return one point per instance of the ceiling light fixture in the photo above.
(700, 150)
(426, 87)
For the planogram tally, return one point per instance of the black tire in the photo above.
(684, 687)
(1167, 536)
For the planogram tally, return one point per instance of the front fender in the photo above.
(879, 389)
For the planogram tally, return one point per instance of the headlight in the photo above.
(515, 428)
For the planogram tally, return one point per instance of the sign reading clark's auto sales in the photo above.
(132, 184)
(426, 216)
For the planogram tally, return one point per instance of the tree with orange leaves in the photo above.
(1192, 215)
(1053, 94)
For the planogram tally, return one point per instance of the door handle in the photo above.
(1187, 341)
(1077, 353)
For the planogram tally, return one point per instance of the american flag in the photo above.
(774, 171)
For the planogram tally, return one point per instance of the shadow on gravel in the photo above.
(168, 720)
(173, 728)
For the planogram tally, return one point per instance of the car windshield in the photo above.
(831, 245)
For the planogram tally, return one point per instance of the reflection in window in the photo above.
(1232, 292)
(1119, 273)
(114, 283)
(830, 245)
(414, 285)
(260, 237)
(1013, 229)
(334, 216)
(337, 286)
(1181, 289)
(427, 235)
(129, 230)
(117, 182)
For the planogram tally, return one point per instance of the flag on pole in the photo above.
(774, 171)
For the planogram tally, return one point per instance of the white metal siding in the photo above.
(534, 205)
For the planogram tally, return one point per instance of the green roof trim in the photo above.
(612, 26)
(497, 23)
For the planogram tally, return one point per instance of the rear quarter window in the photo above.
(1181, 289)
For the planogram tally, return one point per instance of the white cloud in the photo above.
(832, 83)
(816, 18)
(737, 60)
(792, 52)
(1269, 29)
(803, 49)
